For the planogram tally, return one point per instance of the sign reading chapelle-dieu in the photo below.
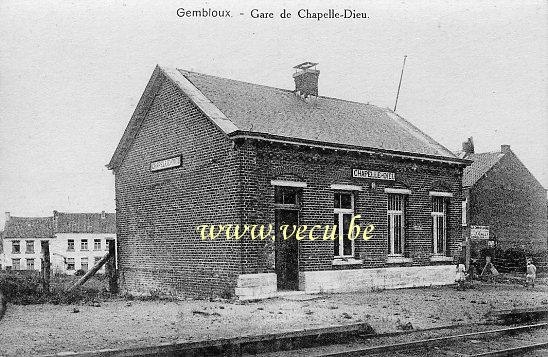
(166, 163)
(375, 175)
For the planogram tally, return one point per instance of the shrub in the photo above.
(79, 272)
(22, 287)
(25, 287)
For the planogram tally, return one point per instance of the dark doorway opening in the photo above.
(287, 251)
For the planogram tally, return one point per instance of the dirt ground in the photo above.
(43, 329)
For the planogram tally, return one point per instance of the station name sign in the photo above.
(374, 175)
(479, 232)
(166, 163)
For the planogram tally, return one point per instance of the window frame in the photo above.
(71, 262)
(464, 217)
(32, 260)
(15, 243)
(340, 212)
(82, 242)
(86, 259)
(435, 224)
(281, 191)
(69, 241)
(27, 251)
(18, 260)
(391, 216)
(97, 241)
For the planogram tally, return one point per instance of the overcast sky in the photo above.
(71, 74)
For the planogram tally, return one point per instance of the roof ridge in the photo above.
(277, 88)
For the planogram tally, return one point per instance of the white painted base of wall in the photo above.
(375, 279)
(264, 285)
(256, 286)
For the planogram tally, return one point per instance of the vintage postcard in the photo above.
(288, 178)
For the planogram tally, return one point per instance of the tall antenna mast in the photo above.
(399, 85)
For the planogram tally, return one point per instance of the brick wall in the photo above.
(157, 212)
(512, 203)
(222, 182)
(321, 168)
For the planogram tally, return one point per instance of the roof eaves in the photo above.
(140, 112)
(321, 144)
(419, 134)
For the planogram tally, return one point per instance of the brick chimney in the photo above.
(8, 216)
(306, 79)
(468, 146)
(505, 149)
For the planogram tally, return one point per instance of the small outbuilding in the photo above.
(202, 151)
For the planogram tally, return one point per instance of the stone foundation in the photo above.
(256, 286)
(375, 279)
(262, 286)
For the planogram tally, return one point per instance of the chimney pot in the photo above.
(8, 216)
(306, 79)
(505, 149)
(468, 146)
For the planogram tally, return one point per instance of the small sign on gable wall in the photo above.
(166, 163)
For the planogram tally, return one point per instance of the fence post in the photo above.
(46, 266)
(111, 267)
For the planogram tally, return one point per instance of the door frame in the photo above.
(297, 210)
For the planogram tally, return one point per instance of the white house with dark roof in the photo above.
(77, 240)
(21, 241)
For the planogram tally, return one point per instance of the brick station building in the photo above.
(200, 149)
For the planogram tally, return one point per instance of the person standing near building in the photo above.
(461, 275)
(489, 269)
(531, 273)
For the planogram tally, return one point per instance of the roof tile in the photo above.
(29, 227)
(85, 222)
(262, 109)
(482, 163)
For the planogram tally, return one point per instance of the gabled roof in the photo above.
(481, 164)
(29, 227)
(84, 222)
(244, 108)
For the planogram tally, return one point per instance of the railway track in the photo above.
(508, 341)
(529, 340)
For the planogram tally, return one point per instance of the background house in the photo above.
(501, 193)
(81, 240)
(77, 240)
(21, 241)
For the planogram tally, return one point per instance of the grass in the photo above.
(25, 287)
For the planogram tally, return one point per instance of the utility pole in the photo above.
(399, 85)
(46, 266)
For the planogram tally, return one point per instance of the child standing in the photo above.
(531, 273)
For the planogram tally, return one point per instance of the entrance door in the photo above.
(287, 251)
